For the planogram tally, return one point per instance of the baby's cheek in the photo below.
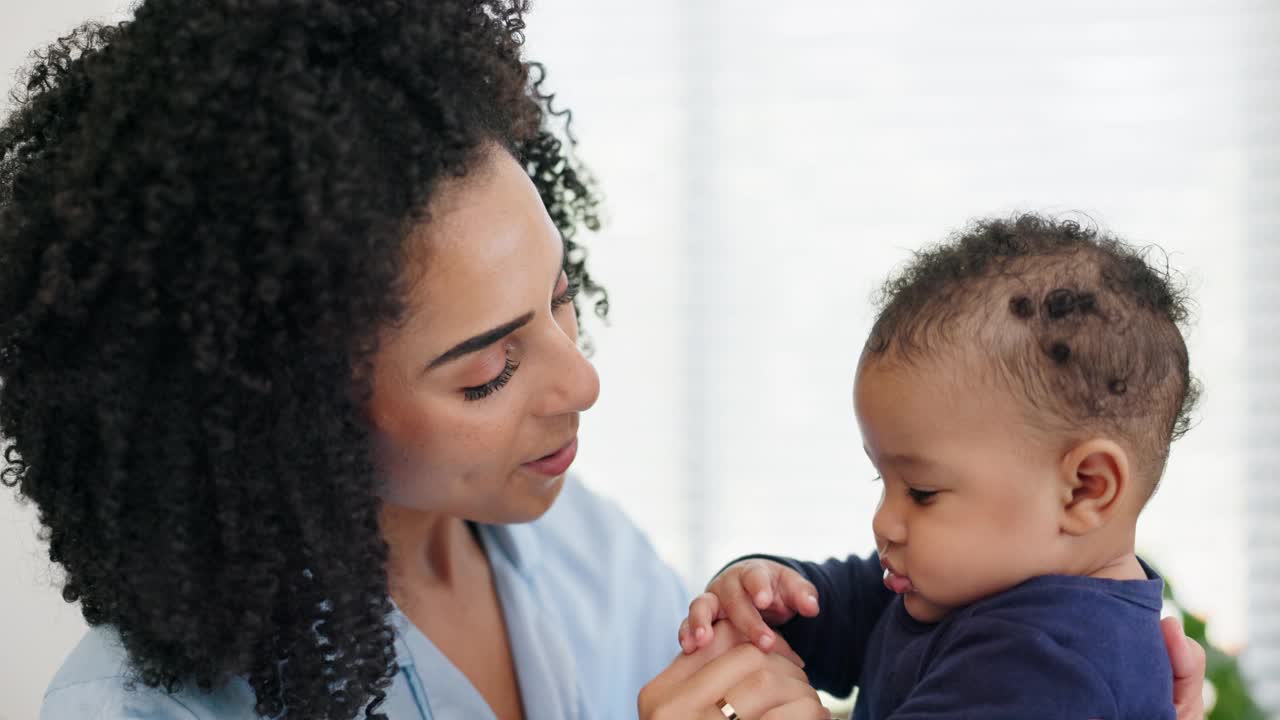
(964, 569)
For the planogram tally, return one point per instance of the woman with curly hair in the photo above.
(289, 367)
(288, 345)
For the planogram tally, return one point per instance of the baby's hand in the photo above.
(753, 594)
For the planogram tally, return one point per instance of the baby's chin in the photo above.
(924, 611)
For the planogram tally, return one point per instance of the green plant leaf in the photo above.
(1222, 670)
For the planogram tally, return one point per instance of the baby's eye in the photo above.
(921, 497)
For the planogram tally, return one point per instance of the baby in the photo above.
(1017, 395)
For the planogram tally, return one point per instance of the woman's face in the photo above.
(476, 396)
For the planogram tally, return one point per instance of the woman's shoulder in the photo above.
(94, 683)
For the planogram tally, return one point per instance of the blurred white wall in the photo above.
(765, 165)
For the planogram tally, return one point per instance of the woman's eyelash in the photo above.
(483, 391)
(567, 296)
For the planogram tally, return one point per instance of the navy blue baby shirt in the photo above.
(1055, 646)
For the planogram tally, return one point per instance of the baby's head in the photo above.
(1018, 395)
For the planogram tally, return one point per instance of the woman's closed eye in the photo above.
(479, 392)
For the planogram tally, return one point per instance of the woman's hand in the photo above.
(759, 685)
(1187, 658)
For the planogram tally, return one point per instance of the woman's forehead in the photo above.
(484, 246)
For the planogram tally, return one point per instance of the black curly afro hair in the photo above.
(1075, 321)
(203, 215)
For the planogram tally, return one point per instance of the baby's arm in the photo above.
(757, 592)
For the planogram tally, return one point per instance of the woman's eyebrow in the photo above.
(481, 341)
(489, 337)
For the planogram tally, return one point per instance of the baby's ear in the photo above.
(1094, 478)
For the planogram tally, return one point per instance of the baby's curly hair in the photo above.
(203, 220)
(1075, 321)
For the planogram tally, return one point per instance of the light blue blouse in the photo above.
(590, 609)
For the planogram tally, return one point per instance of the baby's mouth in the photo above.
(897, 583)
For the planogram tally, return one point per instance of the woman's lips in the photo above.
(557, 462)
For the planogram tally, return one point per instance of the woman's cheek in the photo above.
(408, 475)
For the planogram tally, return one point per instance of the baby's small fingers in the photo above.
(702, 611)
(757, 583)
(744, 616)
(800, 593)
(685, 638)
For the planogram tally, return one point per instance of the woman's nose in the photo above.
(572, 382)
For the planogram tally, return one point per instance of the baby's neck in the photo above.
(1106, 553)
(1121, 567)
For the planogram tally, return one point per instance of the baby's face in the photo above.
(971, 503)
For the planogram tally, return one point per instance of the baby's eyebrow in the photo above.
(908, 459)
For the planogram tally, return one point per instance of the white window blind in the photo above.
(1263, 350)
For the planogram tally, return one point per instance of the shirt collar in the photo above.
(519, 545)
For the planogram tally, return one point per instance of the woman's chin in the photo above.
(531, 499)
